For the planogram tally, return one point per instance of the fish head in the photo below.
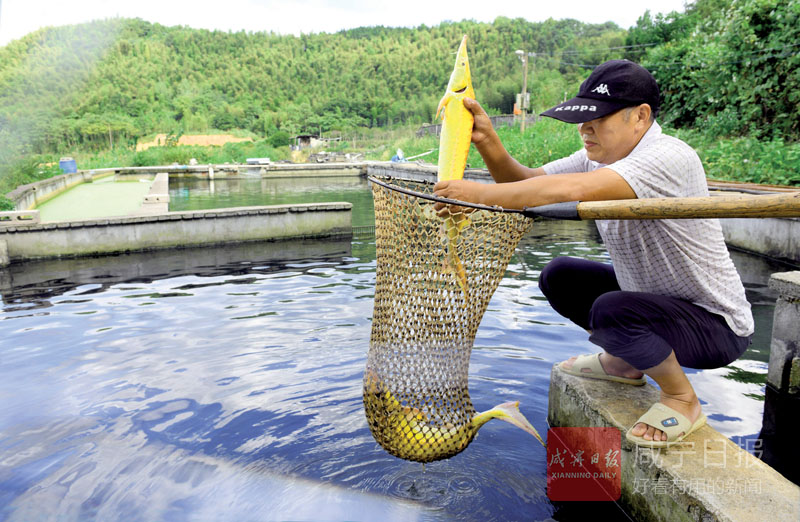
(460, 78)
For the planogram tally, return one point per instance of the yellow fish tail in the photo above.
(454, 225)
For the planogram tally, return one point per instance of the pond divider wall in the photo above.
(156, 201)
(174, 230)
(26, 197)
(774, 237)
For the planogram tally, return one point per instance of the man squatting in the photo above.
(672, 297)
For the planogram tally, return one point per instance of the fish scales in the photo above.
(454, 142)
(456, 134)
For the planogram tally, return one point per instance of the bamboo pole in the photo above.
(734, 206)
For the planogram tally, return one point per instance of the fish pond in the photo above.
(104, 197)
(226, 383)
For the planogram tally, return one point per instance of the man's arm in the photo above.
(519, 186)
(598, 185)
(501, 165)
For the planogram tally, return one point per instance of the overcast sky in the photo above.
(20, 17)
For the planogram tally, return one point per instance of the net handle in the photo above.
(783, 204)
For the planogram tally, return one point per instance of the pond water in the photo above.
(225, 384)
(202, 194)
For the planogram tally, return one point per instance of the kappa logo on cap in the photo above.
(582, 108)
(602, 89)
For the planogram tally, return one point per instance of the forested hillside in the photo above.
(729, 72)
(115, 80)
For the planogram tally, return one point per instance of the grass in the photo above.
(745, 159)
(773, 162)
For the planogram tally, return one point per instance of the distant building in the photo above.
(304, 141)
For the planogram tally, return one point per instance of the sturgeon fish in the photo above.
(454, 142)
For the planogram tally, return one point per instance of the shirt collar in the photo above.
(652, 134)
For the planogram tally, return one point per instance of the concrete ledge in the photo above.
(707, 477)
(139, 172)
(177, 230)
(773, 237)
(19, 218)
(157, 200)
(784, 353)
(296, 170)
(787, 284)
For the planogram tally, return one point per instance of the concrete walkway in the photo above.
(707, 477)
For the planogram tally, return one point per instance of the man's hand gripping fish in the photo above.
(454, 142)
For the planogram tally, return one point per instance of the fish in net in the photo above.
(425, 318)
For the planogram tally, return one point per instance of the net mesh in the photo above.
(434, 279)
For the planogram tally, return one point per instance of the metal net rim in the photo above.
(386, 183)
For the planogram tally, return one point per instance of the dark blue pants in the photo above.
(641, 328)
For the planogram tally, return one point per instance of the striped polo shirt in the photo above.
(682, 258)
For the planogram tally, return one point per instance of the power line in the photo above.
(612, 48)
(698, 65)
(738, 57)
(635, 48)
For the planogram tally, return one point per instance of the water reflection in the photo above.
(219, 373)
(198, 194)
(225, 383)
(34, 284)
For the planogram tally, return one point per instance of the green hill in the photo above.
(113, 81)
(729, 72)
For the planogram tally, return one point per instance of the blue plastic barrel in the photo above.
(68, 165)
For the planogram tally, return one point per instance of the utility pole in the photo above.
(524, 98)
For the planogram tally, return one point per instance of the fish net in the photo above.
(432, 288)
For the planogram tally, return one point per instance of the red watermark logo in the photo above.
(584, 464)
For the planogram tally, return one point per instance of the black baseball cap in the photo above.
(613, 85)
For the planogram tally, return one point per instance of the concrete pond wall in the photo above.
(173, 230)
(774, 237)
(29, 196)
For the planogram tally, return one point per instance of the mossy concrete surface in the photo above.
(784, 355)
(176, 230)
(773, 237)
(94, 200)
(707, 477)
